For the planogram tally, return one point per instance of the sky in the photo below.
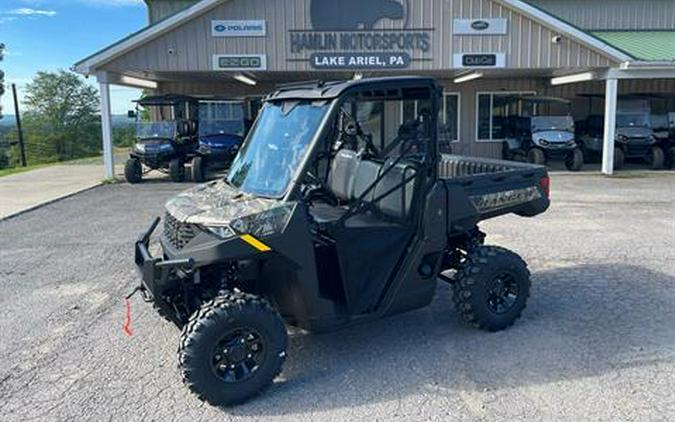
(54, 34)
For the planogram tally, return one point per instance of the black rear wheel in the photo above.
(133, 170)
(574, 160)
(176, 170)
(491, 288)
(232, 348)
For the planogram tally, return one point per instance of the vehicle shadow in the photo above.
(581, 321)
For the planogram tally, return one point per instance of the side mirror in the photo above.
(131, 114)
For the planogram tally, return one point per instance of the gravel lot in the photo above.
(597, 341)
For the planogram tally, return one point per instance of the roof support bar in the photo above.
(611, 88)
(106, 128)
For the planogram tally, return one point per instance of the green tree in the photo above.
(2, 75)
(4, 157)
(61, 118)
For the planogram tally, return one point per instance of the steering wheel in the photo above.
(318, 190)
(351, 130)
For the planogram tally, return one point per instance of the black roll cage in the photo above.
(430, 138)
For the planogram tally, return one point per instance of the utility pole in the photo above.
(19, 131)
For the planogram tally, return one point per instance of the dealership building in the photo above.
(481, 51)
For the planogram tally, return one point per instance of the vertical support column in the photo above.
(106, 128)
(611, 88)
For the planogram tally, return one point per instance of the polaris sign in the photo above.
(232, 28)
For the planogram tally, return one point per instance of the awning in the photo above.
(653, 46)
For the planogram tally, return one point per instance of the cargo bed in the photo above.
(482, 188)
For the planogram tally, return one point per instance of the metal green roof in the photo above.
(643, 45)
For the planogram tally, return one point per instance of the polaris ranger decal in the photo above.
(499, 200)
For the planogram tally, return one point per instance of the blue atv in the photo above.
(166, 142)
(221, 133)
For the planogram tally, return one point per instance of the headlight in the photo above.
(571, 143)
(544, 142)
(266, 223)
(622, 138)
(140, 147)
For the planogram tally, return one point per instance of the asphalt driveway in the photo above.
(597, 341)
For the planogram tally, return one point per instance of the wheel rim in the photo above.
(502, 293)
(238, 355)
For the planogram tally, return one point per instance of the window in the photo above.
(221, 117)
(492, 109)
(382, 119)
(448, 120)
(448, 117)
(370, 117)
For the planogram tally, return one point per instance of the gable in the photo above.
(300, 31)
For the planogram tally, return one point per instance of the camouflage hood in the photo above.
(215, 204)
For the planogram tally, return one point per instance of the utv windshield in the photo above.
(542, 123)
(275, 147)
(160, 130)
(632, 120)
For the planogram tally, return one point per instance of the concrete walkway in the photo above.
(24, 191)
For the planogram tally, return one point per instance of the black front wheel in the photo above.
(491, 288)
(176, 170)
(574, 160)
(232, 348)
(133, 170)
(656, 158)
(670, 162)
(619, 158)
(536, 156)
(198, 169)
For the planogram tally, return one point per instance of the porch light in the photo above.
(570, 79)
(138, 82)
(245, 79)
(467, 77)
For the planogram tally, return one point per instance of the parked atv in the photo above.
(221, 133)
(324, 222)
(167, 141)
(542, 137)
(634, 134)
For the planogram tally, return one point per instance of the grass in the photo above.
(120, 155)
(16, 170)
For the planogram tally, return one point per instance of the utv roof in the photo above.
(166, 99)
(541, 99)
(332, 89)
(634, 96)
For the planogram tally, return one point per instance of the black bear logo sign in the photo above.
(353, 15)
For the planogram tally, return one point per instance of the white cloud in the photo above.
(27, 11)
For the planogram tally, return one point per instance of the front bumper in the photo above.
(154, 271)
